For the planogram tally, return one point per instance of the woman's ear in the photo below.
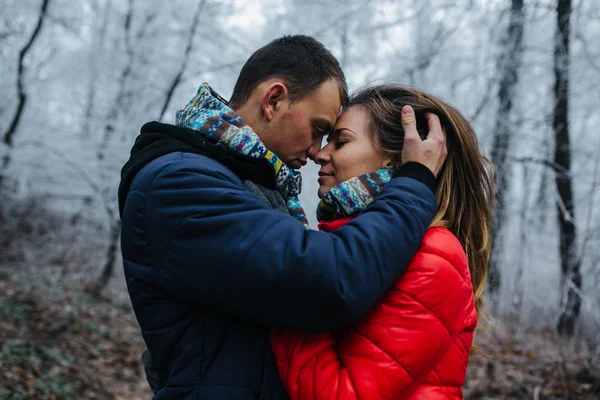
(272, 100)
(388, 163)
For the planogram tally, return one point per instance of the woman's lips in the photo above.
(323, 176)
(321, 173)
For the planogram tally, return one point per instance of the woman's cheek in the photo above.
(346, 165)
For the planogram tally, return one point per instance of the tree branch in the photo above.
(80, 171)
(8, 136)
(186, 56)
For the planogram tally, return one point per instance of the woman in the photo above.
(414, 343)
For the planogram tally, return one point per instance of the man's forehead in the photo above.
(327, 101)
(326, 116)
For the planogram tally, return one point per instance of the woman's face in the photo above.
(350, 150)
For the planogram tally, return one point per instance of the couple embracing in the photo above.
(238, 299)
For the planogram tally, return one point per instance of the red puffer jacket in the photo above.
(413, 344)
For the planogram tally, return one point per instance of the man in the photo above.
(212, 258)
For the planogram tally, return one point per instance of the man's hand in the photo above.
(430, 152)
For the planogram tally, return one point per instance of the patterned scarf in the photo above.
(352, 196)
(209, 115)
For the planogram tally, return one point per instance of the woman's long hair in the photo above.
(465, 184)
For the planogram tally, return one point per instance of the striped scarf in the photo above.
(209, 115)
(352, 196)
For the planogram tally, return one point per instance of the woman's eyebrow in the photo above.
(339, 130)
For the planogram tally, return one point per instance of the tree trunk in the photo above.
(111, 257)
(123, 91)
(8, 135)
(569, 260)
(521, 259)
(344, 46)
(508, 67)
(186, 56)
(96, 54)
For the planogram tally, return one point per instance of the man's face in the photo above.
(296, 132)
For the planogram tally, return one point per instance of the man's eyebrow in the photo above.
(325, 124)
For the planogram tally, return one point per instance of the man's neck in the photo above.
(251, 117)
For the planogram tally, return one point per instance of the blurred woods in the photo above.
(80, 78)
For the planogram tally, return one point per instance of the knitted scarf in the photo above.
(352, 196)
(209, 115)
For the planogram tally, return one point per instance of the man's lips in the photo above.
(297, 164)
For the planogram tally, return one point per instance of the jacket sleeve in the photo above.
(392, 349)
(215, 244)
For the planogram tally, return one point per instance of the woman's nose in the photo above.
(322, 157)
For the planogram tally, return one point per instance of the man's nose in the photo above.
(313, 150)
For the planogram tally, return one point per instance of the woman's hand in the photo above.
(430, 152)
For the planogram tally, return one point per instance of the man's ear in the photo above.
(273, 98)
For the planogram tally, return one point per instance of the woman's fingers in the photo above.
(430, 152)
(436, 132)
(409, 123)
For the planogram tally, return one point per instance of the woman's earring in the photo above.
(389, 165)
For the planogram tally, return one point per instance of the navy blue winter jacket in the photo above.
(210, 269)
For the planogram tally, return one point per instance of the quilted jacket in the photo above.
(210, 268)
(414, 344)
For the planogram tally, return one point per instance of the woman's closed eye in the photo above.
(339, 144)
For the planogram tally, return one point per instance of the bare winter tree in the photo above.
(344, 46)
(123, 93)
(114, 229)
(520, 260)
(569, 259)
(120, 107)
(508, 67)
(111, 255)
(96, 54)
(8, 135)
(186, 57)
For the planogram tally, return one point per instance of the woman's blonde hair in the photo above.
(465, 186)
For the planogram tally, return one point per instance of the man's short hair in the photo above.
(301, 62)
